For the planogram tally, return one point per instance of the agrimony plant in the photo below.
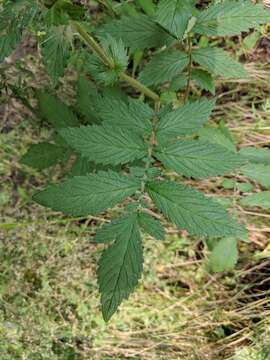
(126, 145)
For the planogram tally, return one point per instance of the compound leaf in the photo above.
(185, 120)
(163, 67)
(151, 226)
(198, 159)
(174, 16)
(224, 255)
(120, 266)
(218, 62)
(55, 111)
(43, 155)
(231, 18)
(191, 210)
(137, 32)
(88, 195)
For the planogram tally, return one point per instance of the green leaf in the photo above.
(218, 62)
(151, 226)
(224, 255)
(163, 67)
(258, 172)
(105, 144)
(115, 50)
(137, 32)
(148, 7)
(174, 16)
(88, 195)
(133, 114)
(109, 231)
(82, 166)
(179, 82)
(215, 135)
(204, 80)
(185, 120)
(55, 53)
(198, 159)
(14, 17)
(192, 211)
(43, 155)
(55, 111)
(256, 155)
(261, 200)
(87, 98)
(120, 266)
(231, 18)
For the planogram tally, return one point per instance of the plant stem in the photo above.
(95, 46)
(139, 86)
(189, 70)
(152, 143)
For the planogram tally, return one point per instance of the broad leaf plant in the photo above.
(129, 142)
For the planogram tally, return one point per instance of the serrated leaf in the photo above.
(163, 67)
(215, 135)
(258, 172)
(198, 159)
(120, 267)
(261, 200)
(204, 80)
(224, 255)
(105, 144)
(55, 53)
(82, 166)
(55, 111)
(115, 50)
(133, 114)
(87, 99)
(231, 18)
(179, 82)
(185, 120)
(151, 226)
(137, 32)
(256, 155)
(218, 62)
(43, 155)
(109, 231)
(88, 195)
(174, 16)
(192, 211)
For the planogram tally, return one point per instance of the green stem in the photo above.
(189, 70)
(152, 144)
(94, 45)
(139, 86)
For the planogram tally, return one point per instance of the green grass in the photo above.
(49, 303)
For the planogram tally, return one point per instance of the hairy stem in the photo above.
(95, 46)
(189, 70)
